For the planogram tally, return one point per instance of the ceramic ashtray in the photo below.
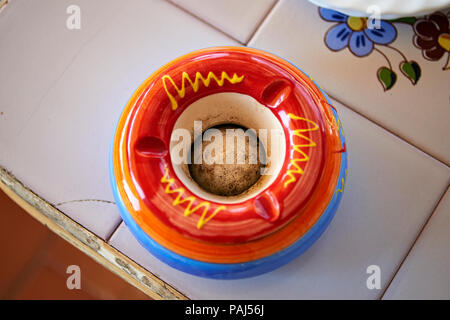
(228, 220)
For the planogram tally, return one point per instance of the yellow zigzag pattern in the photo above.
(196, 83)
(190, 200)
(294, 162)
(341, 189)
(340, 127)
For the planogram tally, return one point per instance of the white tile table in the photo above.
(425, 272)
(376, 224)
(237, 18)
(418, 113)
(62, 90)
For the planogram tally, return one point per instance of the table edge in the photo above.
(86, 241)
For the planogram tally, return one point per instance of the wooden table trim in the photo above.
(86, 241)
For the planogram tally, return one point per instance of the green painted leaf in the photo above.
(411, 70)
(408, 20)
(387, 77)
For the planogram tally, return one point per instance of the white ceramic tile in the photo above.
(237, 18)
(391, 190)
(61, 91)
(425, 273)
(418, 113)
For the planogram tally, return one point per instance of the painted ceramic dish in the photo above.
(388, 9)
(271, 223)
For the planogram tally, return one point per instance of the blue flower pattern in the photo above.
(360, 42)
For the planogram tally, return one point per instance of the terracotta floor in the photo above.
(33, 263)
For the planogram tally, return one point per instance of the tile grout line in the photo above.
(345, 104)
(108, 238)
(415, 241)
(388, 130)
(204, 21)
(261, 22)
(338, 100)
(334, 98)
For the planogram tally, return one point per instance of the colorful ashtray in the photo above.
(272, 222)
